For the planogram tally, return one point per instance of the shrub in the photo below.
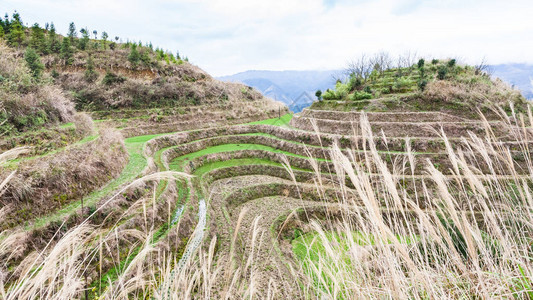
(112, 78)
(452, 63)
(318, 95)
(52, 42)
(421, 63)
(402, 84)
(354, 82)
(422, 72)
(37, 41)
(134, 55)
(84, 124)
(361, 96)
(384, 91)
(34, 119)
(145, 58)
(434, 61)
(367, 89)
(34, 62)
(84, 41)
(341, 90)
(422, 84)
(16, 34)
(72, 34)
(442, 72)
(66, 51)
(329, 95)
(90, 73)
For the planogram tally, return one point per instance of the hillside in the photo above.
(441, 86)
(128, 85)
(148, 179)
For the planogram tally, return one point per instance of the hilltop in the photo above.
(436, 85)
(110, 81)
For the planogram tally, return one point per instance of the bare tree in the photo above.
(381, 61)
(407, 60)
(483, 68)
(340, 76)
(360, 67)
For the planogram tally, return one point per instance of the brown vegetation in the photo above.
(119, 85)
(26, 102)
(43, 185)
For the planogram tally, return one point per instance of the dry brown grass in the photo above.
(451, 254)
(29, 102)
(84, 124)
(162, 86)
(61, 268)
(475, 93)
(45, 184)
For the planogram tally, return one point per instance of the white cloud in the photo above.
(228, 36)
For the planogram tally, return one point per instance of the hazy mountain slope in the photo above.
(519, 75)
(287, 86)
(269, 89)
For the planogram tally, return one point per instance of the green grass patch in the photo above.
(178, 163)
(311, 252)
(283, 121)
(136, 163)
(206, 168)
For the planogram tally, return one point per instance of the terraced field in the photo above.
(262, 175)
(257, 189)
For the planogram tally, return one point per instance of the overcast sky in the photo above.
(229, 36)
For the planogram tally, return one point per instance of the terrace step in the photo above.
(399, 129)
(383, 116)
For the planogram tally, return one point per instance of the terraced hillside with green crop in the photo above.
(408, 182)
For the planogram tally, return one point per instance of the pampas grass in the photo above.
(460, 233)
(469, 241)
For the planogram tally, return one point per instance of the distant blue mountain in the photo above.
(518, 75)
(269, 89)
(297, 88)
(294, 88)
